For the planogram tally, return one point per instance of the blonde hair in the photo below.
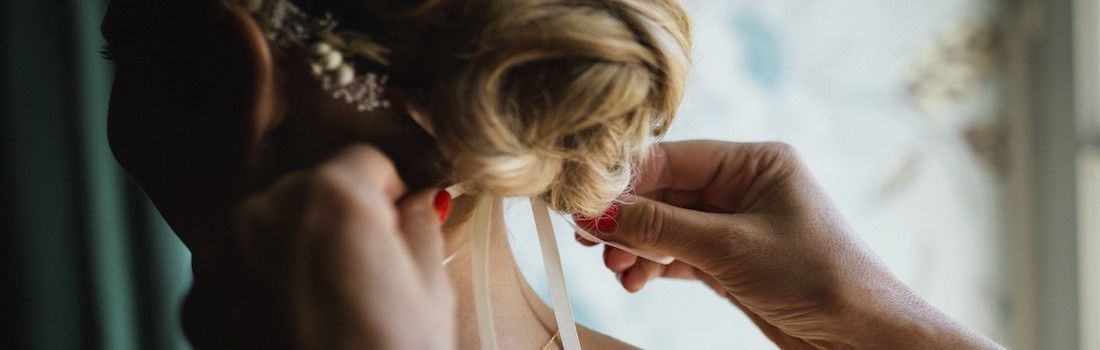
(555, 98)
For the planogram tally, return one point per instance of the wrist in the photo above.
(892, 316)
(884, 316)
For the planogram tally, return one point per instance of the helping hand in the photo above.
(750, 222)
(337, 257)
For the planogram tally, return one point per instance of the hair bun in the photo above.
(559, 98)
(555, 98)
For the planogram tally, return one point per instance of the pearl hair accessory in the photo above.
(328, 53)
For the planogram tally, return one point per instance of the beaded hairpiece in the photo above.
(328, 52)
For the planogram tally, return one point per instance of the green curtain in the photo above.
(87, 261)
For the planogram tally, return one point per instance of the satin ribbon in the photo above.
(555, 276)
(661, 259)
(551, 260)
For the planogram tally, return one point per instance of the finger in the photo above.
(583, 241)
(422, 230)
(652, 270)
(680, 270)
(366, 165)
(653, 175)
(688, 235)
(357, 188)
(637, 276)
(685, 165)
(690, 165)
(618, 260)
(708, 175)
(350, 222)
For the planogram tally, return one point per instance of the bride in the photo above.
(247, 122)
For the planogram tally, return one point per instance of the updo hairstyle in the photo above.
(555, 98)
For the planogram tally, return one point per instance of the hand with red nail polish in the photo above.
(442, 204)
(324, 259)
(749, 221)
(603, 223)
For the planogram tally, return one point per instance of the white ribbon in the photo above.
(551, 260)
(661, 259)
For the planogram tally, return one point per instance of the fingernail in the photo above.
(604, 223)
(442, 204)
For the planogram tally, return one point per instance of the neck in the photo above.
(521, 319)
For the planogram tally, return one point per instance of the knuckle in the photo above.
(338, 206)
(651, 223)
(369, 166)
(782, 150)
(333, 194)
(328, 186)
(780, 147)
(369, 157)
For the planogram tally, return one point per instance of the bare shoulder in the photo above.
(591, 339)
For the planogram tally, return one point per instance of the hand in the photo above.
(337, 257)
(750, 222)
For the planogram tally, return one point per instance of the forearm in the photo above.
(896, 318)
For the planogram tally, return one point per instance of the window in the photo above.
(1088, 169)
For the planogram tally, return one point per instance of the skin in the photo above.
(755, 227)
(343, 256)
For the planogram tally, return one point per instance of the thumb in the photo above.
(688, 235)
(422, 230)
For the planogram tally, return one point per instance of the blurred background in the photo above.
(960, 137)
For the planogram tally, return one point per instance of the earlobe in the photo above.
(261, 108)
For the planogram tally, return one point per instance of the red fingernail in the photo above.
(605, 223)
(442, 204)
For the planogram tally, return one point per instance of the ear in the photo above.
(260, 106)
